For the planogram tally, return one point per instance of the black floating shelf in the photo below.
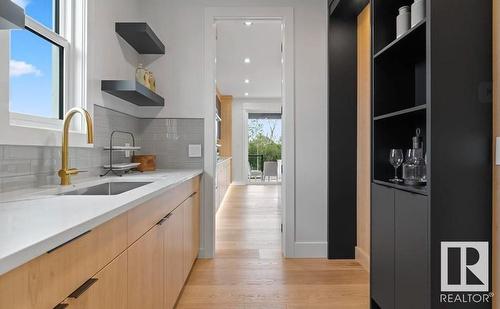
(418, 190)
(11, 16)
(133, 92)
(401, 112)
(404, 43)
(141, 37)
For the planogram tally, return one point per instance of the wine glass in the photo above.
(396, 159)
(409, 154)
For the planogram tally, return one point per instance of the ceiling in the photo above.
(261, 43)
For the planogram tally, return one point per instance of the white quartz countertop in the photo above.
(32, 224)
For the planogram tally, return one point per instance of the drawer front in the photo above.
(107, 290)
(143, 217)
(47, 280)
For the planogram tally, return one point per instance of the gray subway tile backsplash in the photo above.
(24, 167)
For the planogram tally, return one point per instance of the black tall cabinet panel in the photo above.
(411, 252)
(342, 122)
(437, 78)
(382, 255)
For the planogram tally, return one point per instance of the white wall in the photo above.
(180, 78)
(241, 108)
(109, 56)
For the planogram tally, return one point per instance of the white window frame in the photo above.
(29, 120)
(25, 129)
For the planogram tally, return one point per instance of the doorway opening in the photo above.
(249, 63)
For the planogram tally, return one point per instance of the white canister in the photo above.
(417, 12)
(403, 21)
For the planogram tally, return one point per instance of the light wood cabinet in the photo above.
(143, 217)
(195, 223)
(173, 230)
(223, 175)
(224, 105)
(191, 232)
(139, 259)
(145, 269)
(50, 278)
(107, 289)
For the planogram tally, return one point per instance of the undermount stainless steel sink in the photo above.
(108, 188)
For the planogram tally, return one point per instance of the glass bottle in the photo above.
(414, 169)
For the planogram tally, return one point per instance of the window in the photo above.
(37, 62)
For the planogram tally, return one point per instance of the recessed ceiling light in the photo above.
(247, 60)
(246, 94)
(248, 23)
(247, 81)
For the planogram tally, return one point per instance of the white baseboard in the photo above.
(363, 258)
(311, 250)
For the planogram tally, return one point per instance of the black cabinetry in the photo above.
(382, 255)
(435, 77)
(411, 254)
(400, 259)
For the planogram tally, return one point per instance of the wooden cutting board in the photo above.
(148, 162)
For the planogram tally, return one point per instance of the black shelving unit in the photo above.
(141, 37)
(133, 92)
(414, 189)
(401, 112)
(429, 78)
(405, 43)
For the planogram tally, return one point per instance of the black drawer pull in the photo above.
(161, 221)
(84, 287)
(164, 219)
(61, 306)
(61, 245)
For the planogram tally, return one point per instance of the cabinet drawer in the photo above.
(47, 280)
(142, 218)
(107, 290)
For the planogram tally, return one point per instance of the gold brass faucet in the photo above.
(65, 172)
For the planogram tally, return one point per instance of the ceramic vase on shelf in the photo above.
(151, 81)
(417, 12)
(403, 21)
(141, 76)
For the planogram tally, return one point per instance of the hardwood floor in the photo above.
(249, 272)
